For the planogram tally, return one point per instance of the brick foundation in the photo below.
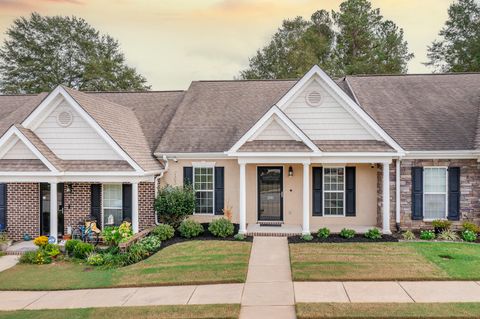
(23, 210)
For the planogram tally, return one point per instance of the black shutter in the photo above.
(95, 203)
(350, 196)
(417, 193)
(127, 201)
(3, 207)
(187, 175)
(454, 193)
(317, 195)
(219, 190)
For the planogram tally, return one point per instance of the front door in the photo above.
(45, 209)
(270, 193)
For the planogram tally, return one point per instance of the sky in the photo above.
(173, 42)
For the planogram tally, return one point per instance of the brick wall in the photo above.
(146, 198)
(23, 210)
(77, 204)
(469, 191)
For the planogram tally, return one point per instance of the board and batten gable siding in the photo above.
(273, 131)
(327, 121)
(78, 141)
(19, 151)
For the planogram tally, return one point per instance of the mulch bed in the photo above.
(335, 238)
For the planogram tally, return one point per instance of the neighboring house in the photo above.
(389, 151)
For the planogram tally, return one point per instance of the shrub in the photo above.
(41, 241)
(163, 232)
(448, 235)
(347, 233)
(373, 234)
(239, 237)
(136, 252)
(151, 243)
(427, 235)
(70, 245)
(174, 204)
(307, 237)
(82, 250)
(38, 257)
(190, 228)
(409, 235)
(472, 227)
(28, 257)
(440, 225)
(221, 227)
(95, 259)
(112, 260)
(323, 233)
(51, 249)
(469, 235)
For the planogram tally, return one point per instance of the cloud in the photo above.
(31, 5)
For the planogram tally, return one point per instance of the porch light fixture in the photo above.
(290, 171)
(69, 188)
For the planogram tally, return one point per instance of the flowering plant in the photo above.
(41, 241)
(113, 235)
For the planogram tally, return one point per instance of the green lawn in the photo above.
(164, 312)
(385, 261)
(191, 262)
(385, 310)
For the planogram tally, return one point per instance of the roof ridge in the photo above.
(122, 92)
(409, 74)
(249, 80)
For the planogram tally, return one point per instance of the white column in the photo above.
(135, 207)
(306, 199)
(53, 211)
(397, 191)
(243, 200)
(386, 198)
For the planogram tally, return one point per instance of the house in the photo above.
(392, 151)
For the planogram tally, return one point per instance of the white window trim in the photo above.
(204, 165)
(106, 207)
(324, 191)
(435, 193)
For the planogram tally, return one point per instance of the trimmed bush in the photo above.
(323, 233)
(190, 228)
(174, 204)
(239, 237)
(163, 232)
(472, 227)
(70, 245)
(82, 250)
(307, 237)
(469, 235)
(151, 243)
(347, 233)
(448, 235)
(409, 235)
(373, 234)
(440, 225)
(221, 227)
(427, 235)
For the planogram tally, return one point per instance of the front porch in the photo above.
(285, 230)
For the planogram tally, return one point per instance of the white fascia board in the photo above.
(352, 160)
(274, 110)
(460, 154)
(316, 70)
(15, 131)
(313, 155)
(72, 179)
(36, 117)
(280, 160)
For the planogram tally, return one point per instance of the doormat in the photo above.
(270, 225)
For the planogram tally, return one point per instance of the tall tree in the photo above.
(363, 42)
(294, 48)
(41, 52)
(458, 49)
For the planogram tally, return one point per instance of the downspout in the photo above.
(397, 194)
(157, 178)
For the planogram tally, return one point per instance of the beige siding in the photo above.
(366, 200)
(274, 131)
(328, 121)
(19, 151)
(78, 141)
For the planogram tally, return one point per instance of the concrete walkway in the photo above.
(269, 291)
(8, 261)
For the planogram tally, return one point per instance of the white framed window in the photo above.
(435, 193)
(334, 191)
(203, 185)
(112, 204)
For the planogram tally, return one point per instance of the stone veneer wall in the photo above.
(77, 204)
(469, 192)
(23, 210)
(146, 198)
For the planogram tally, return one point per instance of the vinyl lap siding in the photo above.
(19, 151)
(328, 121)
(274, 132)
(76, 142)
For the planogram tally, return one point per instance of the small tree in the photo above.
(174, 204)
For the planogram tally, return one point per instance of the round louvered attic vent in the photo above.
(64, 118)
(314, 98)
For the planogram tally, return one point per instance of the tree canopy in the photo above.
(354, 40)
(458, 49)
(41, 52)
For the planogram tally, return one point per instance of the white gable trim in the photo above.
(43, 110)
(282, 125)
(274, 110)
(15, 131)
(350, 104)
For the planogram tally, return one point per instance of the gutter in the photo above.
(157, 178)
